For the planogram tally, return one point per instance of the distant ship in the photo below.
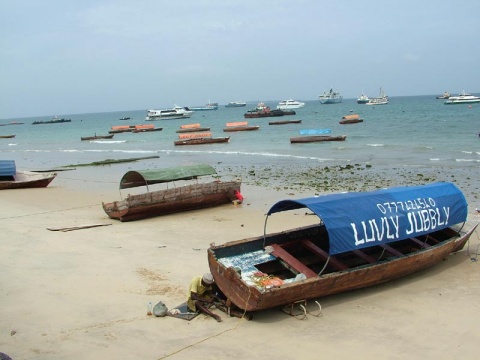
(362, 99)
(236, 104)
(330, 97)
(209, 106)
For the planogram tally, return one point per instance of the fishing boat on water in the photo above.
(202, 138)
(381, 99)
(240, 126)
(190, 188)
(362, 239)
(351, 119)
(97, 137)
(191, 128)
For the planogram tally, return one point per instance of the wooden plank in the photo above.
(291, 261)
(367, 258)
(392, 251)
(324, 255)
(420, 243)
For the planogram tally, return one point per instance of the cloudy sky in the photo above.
(66, 57)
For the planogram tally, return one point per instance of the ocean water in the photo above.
(408, 132)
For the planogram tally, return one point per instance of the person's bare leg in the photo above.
(205, 310)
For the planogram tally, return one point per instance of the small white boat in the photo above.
(462, 98)
(290, 104)
(330, 97)
(177, 112)
(382, 99)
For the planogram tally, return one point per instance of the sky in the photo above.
(60, 57)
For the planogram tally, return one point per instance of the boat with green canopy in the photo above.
(184, 188)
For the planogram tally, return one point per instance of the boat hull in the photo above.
(28, 179)
(162, 202)
(253, 298)
(202, 141)
(241, 128)
(316, 138)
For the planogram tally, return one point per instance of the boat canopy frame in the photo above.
(158, 176)
(382, 216)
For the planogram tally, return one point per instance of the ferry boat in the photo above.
(177, 112)
(290, 104)
(236, 104)
(331, 97)
(462, 98)
(209, 106)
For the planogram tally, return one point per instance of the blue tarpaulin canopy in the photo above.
(362, 219)
(7, 168)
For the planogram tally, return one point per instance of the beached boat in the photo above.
(200, 139)
(54, 120)
(177, 112)
(208, 106)
(191, 128)
(363, 239)
(240, 126)
(316, 138)
(7, 136)
(11, 178)
(283, 122)
(290, 104)
(462, 98)
(236, 104)
(186, 194)
(330, 97)
(382, 99)
(362, 99)
(351, 119)
(97, 137)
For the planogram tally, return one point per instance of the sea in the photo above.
(409, 132)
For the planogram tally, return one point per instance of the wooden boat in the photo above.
(191, 128)
(316, 138)
(11, 178)
(121, 128)
(200, 139)
(283, 122)
(351, 119)
(240, 126)
(7, 136)
(54, 120)
(182, 197)
(145, 128)
(97, 137)
(363, 239)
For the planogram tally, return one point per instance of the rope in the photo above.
(48, 212)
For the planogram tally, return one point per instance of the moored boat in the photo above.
(382, 99)
(290, 104)
(363, 239)
(236, 104)
(200, 139)
(186, 194)
(7, 136)
(191, 128)
(316, 138)
(350, 119)
(362, 99)
(208, 106)
(462, 98)
(11, 178)
(240, 126)
(284, 122)
(330, 97)
(177, 112)
(97, 137)
(54, 120)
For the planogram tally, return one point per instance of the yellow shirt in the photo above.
(197, 287)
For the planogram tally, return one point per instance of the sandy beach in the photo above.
(84, 294)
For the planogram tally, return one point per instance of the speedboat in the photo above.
(236, 104)
(330, 97)
(462, 98)
(290, 104)
(177, 112)
(382, 99)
